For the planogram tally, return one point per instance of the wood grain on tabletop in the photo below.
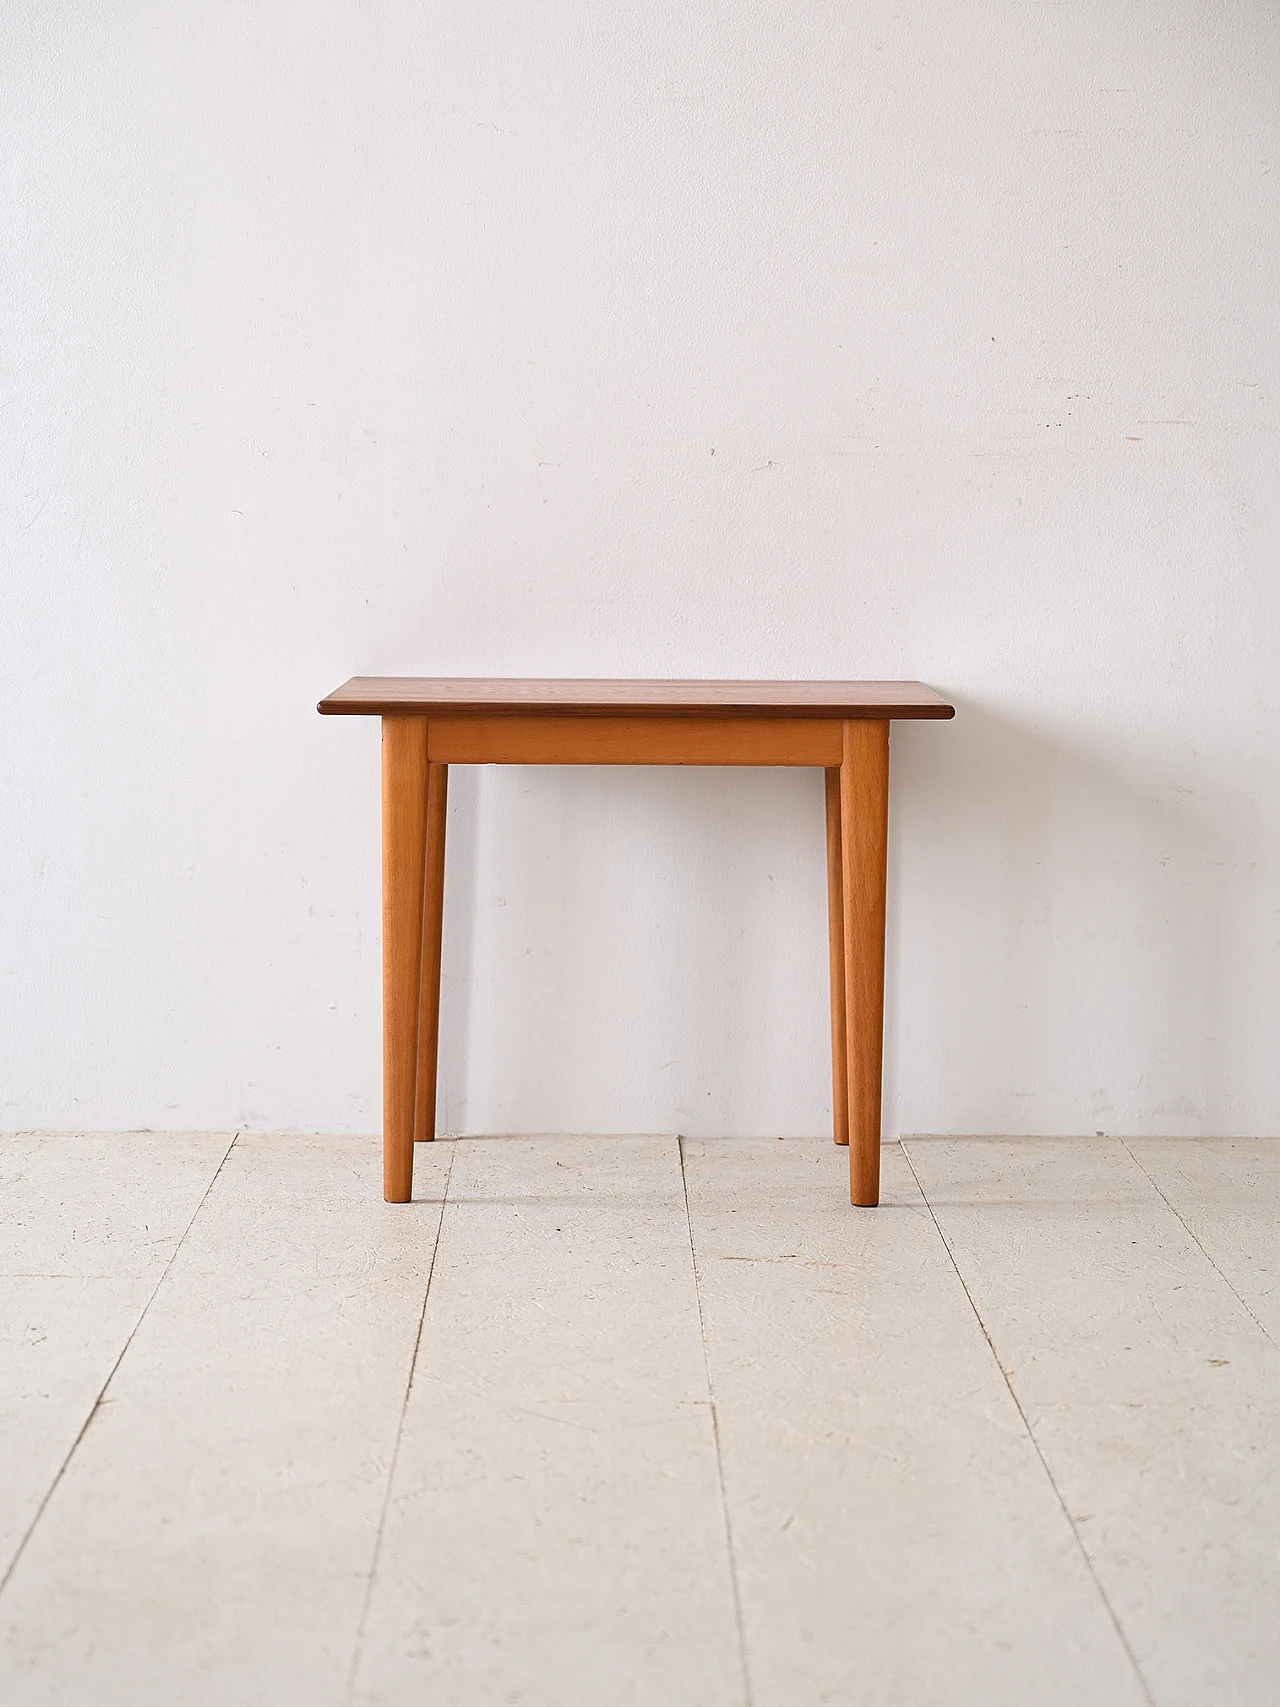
(375, 695)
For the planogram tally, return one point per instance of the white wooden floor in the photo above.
(636, 1421)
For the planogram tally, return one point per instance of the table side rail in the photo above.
(633, 740)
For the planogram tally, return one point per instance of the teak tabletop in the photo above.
(387, 695)
(429, 723)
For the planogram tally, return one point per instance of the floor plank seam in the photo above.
(715, 1437)
(1035, 1444)
(1182, 1222)
(358, 1647)
(96, 1406)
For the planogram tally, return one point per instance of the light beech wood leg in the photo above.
(404, 825)
(424, 1120)
(864, 824)
(835, 936)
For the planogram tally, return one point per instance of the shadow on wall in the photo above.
(635, 949)
(1061, 928)
(629, 949)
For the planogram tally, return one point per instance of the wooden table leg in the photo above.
(835, 938)
(864, 824)
(424, 1119)
(404, 825)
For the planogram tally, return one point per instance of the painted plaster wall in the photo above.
(935, 338)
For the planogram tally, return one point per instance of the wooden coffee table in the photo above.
(429, 724)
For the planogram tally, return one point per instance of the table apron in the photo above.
(633, 740)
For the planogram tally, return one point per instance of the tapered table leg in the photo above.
(835, 936)
(424, 1120)
(864, 824)
(404, 824)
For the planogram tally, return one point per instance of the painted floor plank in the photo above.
(555, 1535)
(88, 1224)
(1227, 1191)
(211, 1539)
(896, 1538)
(1151, 1390)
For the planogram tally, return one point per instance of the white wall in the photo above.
(931, 338)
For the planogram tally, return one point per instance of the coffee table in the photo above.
(431, 723)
